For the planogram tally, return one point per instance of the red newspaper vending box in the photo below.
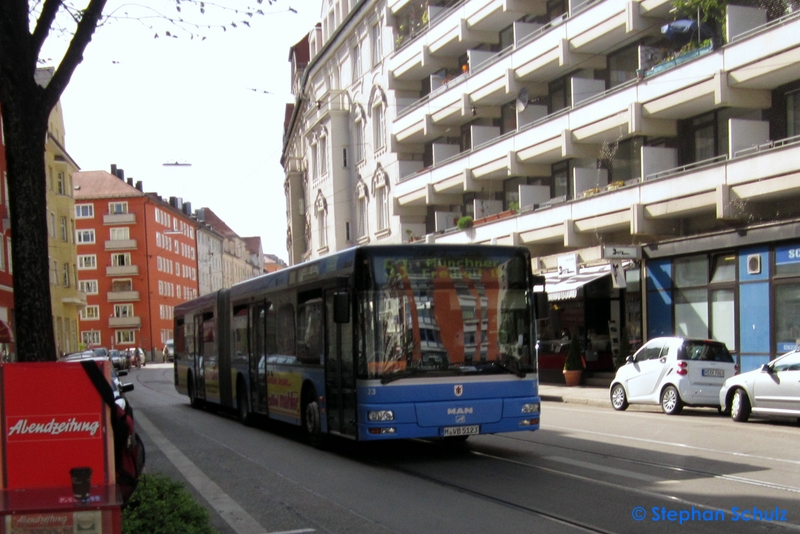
(55, 426)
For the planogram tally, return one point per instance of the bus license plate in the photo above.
(714, 372)
(461, 430)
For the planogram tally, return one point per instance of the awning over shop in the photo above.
(562, 287)
(6, 336)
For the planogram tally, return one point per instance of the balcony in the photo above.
(122, 270)
(123, 296)
(125, 322)
(120, 244)
(119, 218)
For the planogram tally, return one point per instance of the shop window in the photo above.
(787, 316)
(724, 268)
(692, 271)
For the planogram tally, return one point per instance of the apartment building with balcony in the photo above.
(653, 173)
(137, 260)
(66, 300)
(227, 257)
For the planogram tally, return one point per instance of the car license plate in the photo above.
(714, 372)
(461, 430)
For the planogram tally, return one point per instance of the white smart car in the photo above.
(673, 372)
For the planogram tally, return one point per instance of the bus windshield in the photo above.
(446, 315)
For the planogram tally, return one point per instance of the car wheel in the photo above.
(245, 415)
(671, 402)
(618, 398)
(740, 406)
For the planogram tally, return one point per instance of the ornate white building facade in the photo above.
(597, 133)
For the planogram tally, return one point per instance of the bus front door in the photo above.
(340, 378)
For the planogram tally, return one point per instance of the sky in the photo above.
(217, 104)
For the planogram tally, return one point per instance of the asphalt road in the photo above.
(588, 469)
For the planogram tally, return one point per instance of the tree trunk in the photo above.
(25, 126)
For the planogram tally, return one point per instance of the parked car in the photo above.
(119, 387)
(169, 350)
(772, 390)
(673, 372)
(118, 359)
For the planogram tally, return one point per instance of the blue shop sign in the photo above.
(787, 255)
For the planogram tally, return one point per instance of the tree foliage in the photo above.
(25, 106)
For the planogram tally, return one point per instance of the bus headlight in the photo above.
(381, 415)
(531, 407)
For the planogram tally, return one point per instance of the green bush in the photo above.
(161, 505)
(464, 222)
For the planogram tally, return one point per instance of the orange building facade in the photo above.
(137, 259)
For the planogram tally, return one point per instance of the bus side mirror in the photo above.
(341, 307)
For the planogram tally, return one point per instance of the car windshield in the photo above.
(451, 315)
(707, 351)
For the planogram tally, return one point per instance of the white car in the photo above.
(673, 372)
(772, 390)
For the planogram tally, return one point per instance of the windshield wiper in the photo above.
(519, 372)
(397, 375)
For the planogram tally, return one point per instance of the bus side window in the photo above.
(286, 332)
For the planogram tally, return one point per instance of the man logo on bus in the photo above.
(458, 390)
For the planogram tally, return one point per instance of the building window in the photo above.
(90, 313)
(120, 234)
(65, 275)
(363, 213)
(85, 236)
(87, 261)
(355, 58)
(359, 140)
(116, 208)
(62, 184)
(88, 286)
(121, 260)
(322, 155)
(125, 337)
(51, 224)
(123, 310)
(84, 211)
(378, 127)
(64, 229)
(377, 45)
(119, 285)
(90, 338)
(54, 273)
(382, 205)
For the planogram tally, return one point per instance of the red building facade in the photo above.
(137, 259)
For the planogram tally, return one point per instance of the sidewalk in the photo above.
(587, 395)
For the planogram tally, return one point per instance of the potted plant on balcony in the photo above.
(464, 222)
(573, 365)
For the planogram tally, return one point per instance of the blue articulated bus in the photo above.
(372, 343)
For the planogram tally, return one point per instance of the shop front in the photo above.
(741, 287)
(590, 302)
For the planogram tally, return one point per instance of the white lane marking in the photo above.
(673, 444)
(603, 469)
(233, 514)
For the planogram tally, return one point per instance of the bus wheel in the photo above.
(245, 416)
(311, 421)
